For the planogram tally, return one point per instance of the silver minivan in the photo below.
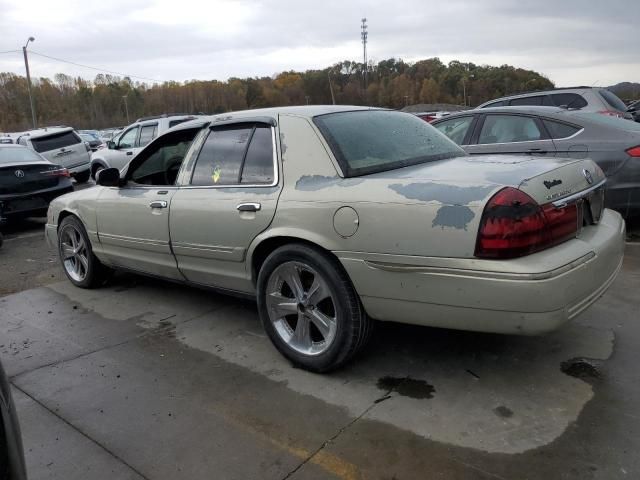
(62, 146)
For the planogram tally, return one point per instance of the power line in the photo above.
(10, 51)
(93, 68)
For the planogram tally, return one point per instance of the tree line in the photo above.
(391, 83)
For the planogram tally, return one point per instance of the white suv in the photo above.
(123, 147)
(62, 146)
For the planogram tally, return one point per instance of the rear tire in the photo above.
(309, 308)
(80, 265)
(83, 177)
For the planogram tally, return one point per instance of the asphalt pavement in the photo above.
(148, 379)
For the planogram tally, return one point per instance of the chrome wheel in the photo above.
(301, 308)
(74, 253)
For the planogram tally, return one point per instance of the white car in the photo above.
(61, 146)
(126, 144)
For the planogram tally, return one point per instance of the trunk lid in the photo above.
(19, 178)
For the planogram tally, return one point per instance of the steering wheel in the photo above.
(171, 172)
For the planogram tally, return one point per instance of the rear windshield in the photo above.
(369, 141)
(611, 121)
(55, 141)
(18, 155)
(613, 100)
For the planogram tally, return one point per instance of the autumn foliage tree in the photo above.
(392, 83)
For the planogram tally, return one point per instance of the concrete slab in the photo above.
(56, 451)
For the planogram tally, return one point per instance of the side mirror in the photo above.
(111, 144)
(109, 177)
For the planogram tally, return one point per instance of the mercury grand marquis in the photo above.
(334, 217)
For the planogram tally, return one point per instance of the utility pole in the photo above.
(363, 35)
(333, 99)
(26, 66)
(126, 108)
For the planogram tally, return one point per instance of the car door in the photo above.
(502, 133)
(229, 197)
(133, 220)
(124, 149)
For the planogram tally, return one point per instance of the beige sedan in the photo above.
(335, 216)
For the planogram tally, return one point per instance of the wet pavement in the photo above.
(147, 379)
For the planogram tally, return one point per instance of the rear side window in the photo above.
(509, 129)
(173, 123)
(455, 128)
(147, 133)
(55, 141)
(559, 130)
(613, 100)
(569, 100)
(235, 154)
(501, 103)
(537, 100)
(259, 164)
(369, 141)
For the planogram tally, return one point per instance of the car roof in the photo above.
(308, 111)
(534, 93)
(45, 132)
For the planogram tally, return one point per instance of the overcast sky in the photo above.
(573, 42)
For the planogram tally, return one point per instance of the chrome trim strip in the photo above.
(563, 202)
(461, 272)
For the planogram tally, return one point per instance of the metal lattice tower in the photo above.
(363, 35)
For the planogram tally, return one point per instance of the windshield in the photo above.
(613, 100)
(369, 141)
(18, 155)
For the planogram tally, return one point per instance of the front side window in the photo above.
(509, 129)
(236, 154)
(160, 163)
(455, 128)
(55, 141)
(369, 141)
(128, 139)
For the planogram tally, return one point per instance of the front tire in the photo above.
(309, 308)
(83, 177)
(80, 265)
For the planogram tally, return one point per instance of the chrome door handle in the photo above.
(159, 204)
(249, 207)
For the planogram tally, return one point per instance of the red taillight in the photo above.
(57, 172)
(634, 151)
(513, 225)
(612, 113)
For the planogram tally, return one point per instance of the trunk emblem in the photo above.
(19, 173)
(552, 183)
(588, 176)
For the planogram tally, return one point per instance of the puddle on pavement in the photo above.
(503, 412)
(582, 368)
(408, 387)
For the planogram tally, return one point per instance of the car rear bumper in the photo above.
(529, 295)
(79, 168)
(38, 201)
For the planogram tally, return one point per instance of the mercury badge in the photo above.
(587, 175)
(19, 173)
